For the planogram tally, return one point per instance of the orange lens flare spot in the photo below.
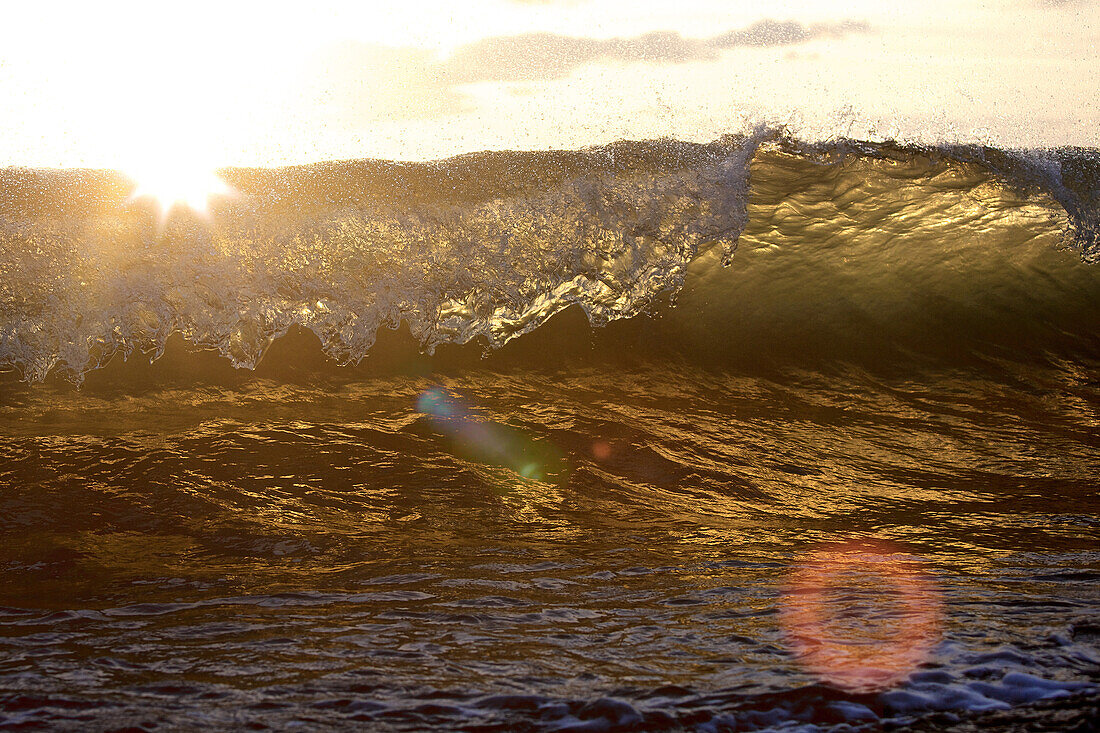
(861, 616)
(601, 450)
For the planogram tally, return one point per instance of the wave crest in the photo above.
(488, 245)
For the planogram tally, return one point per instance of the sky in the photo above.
(157, 86)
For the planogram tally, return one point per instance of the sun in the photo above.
(177, 183)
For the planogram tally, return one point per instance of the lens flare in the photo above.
(601, 450)
(475, 438)
(861, 615)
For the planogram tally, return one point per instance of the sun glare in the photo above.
(177, 184)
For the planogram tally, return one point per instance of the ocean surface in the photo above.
(760, 434)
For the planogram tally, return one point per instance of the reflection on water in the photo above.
(374, 550)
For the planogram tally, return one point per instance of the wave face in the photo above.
(489, 246)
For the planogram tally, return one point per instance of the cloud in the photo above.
(785, 33)
(544, 56)
(366, 80)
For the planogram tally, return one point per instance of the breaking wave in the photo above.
(840, 241)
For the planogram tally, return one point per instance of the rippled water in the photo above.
(274, 552)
